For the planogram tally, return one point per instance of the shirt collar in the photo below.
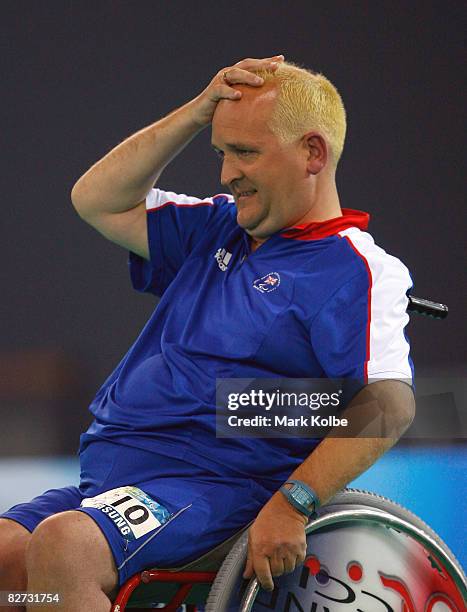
(322, 229)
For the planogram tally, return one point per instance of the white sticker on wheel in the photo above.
(134, 513)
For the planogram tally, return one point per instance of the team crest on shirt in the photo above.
(267, 283)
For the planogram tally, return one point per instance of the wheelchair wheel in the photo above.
(364, 553)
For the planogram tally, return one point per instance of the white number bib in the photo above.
(133, 512)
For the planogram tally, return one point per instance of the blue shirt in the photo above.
(319, 300)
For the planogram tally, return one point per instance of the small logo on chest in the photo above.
(267, 283)
(223, 257)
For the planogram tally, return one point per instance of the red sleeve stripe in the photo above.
(178, 205)
(370, 285)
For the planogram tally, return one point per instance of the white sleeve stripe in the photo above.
(384, 375)
(387, 346)
(157, 198)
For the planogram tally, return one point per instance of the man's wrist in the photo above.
(301, 496)
(284, 507)
(198, 114)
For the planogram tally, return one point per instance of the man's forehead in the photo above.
(249, 115)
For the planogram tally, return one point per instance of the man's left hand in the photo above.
(276, 542)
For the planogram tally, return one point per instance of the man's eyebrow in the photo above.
(233, 146)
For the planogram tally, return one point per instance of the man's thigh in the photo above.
(168, 522)
(69, 548)
(53, 501)
(162, 522)
(158, 511)
(16, 527)
(14, 539)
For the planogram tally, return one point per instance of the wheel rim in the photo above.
(433, 565)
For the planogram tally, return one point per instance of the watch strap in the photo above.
(302, 497)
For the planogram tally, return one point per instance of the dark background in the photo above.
(78, 77)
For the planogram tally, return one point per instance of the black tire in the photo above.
(229, 576)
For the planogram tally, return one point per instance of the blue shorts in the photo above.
(154, 511)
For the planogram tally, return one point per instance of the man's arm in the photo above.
(110, 195)
(277, 540)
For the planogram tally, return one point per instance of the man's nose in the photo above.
(230, 171)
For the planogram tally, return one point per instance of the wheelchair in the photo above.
(364, 553)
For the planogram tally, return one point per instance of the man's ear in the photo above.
(316, 151)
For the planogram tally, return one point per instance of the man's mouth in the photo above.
(245, 194)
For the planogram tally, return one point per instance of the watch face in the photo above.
(304, 498)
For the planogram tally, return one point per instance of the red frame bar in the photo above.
(185, 579)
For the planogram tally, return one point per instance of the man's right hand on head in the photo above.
(222, 86)
(110, 196)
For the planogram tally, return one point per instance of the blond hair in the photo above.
(307, 101)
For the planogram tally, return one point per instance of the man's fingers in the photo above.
(224, 92)
(301, 558)
(237, 76)
(284, 563)
(228, 79)
(248, 573)
(265, 568)
(222, 85)
(263, 573)
(289, 564)
(256, 63)
(277, 566)
(241, 72)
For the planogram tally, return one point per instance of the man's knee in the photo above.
(14, 539)
(70, 546)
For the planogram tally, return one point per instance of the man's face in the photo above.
(266, 176)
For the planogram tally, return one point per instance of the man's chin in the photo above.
(257, 230)
(247, 222)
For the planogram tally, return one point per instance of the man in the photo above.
(157, 486)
